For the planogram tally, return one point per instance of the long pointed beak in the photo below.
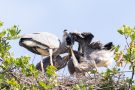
(73, 55)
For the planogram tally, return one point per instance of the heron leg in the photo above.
(41, 63)
(50, 52)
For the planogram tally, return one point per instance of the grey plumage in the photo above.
(95, 54)
(59, 62)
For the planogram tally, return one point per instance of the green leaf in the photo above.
(2, 34)
(91, 87)
(76, 87)
(133, 87)
(13, 32)
(1, 24)
(121, 31)
(50, 71)
(132, 36)
(42, 84)
(125, 30)
(116, 48)
(46, 87)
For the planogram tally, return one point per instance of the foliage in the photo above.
(19, 74)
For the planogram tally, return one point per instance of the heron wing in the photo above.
(45, 38)
(101, 57)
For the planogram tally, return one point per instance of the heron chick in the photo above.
(95, 54)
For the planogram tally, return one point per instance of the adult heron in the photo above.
(45, 44)
(95, 54)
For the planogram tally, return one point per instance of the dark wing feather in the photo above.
(96, 45)
(58, 62)
(108, 46)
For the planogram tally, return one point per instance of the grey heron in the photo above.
(95, 54)
(45, 44)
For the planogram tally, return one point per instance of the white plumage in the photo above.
(45, 38)
(102, 58)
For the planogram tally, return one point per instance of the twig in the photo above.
(133, 72)
(7, 70)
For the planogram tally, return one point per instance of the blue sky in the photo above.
(100, 17)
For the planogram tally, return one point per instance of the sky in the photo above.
(100, 17)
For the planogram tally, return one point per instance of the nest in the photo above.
(89, 81)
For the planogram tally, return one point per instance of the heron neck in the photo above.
(62, 49)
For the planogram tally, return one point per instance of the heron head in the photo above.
(65, 32)
(26, 42)
(68, 38)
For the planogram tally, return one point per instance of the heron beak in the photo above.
(73, 56)
(20, 43)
